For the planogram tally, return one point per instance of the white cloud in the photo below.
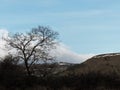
(3, 33)
(62, 52)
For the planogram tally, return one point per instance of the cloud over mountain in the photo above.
(62, 52)
(3, 33)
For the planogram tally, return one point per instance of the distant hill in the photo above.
(104, 63)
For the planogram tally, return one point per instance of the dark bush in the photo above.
(10, 72)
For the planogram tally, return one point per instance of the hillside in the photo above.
(101, 72)
(104, 63)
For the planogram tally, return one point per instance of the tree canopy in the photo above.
(33, 46)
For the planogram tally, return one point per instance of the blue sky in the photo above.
(85, 26)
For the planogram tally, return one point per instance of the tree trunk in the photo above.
(28, 69)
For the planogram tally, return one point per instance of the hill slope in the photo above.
(104, 63)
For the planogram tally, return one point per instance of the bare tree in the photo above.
(33, 46)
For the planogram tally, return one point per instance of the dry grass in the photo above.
(104, 65)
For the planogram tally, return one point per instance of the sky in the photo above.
(86, 27)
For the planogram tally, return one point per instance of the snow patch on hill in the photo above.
(106, 55)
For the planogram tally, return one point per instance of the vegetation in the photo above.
(97, 73)
(33, 46)
(13, 77)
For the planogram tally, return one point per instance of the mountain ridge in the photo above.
(103, 63)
